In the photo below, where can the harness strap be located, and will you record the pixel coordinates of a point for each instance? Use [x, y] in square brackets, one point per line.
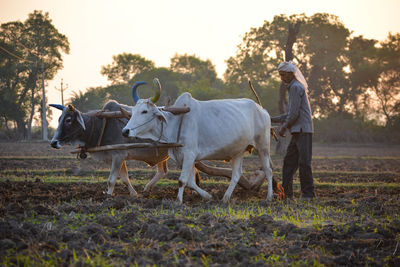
[179, 128]
[102, 132]
[82, 154]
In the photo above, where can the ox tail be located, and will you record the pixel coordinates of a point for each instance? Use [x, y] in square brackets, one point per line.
[198, 177]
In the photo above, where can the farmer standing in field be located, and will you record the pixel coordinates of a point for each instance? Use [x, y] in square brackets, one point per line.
[298, 121]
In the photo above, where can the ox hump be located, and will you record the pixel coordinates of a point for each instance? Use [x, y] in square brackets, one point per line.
[184, 99]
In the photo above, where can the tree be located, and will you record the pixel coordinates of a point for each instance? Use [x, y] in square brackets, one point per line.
[387, 94]
[363, 71]
[193, 67]
[319, 52]
[26, 46]
[197, 76]
[325, 41]
[95, 98]
[386, 89]
[125, 66]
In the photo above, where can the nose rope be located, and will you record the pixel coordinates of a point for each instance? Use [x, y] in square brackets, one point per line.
[162, 128]
[143, 124]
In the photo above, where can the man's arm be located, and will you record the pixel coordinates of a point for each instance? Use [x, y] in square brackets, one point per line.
[278, 119]
[295, 94]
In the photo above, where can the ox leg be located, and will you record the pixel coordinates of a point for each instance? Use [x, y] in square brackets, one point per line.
[192, 183]
[265, 159]
[123, 173]
[187, 177]
[236, 173]
[162, 170]
[115, 169]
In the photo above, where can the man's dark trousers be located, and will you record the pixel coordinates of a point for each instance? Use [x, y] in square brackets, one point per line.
[298, 156]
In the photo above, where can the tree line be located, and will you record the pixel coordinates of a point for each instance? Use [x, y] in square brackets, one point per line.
[353, 81]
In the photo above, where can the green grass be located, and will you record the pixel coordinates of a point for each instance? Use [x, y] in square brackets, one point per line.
[51, 177]
[249, 157]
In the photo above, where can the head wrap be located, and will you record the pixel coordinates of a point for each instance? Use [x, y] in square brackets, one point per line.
[290, 67]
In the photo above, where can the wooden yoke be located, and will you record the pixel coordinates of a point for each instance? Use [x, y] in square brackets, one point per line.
[108, 114]
[177, 110]
[123, 113]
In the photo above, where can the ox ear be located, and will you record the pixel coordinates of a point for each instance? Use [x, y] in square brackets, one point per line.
[80, 120]
[161, 116]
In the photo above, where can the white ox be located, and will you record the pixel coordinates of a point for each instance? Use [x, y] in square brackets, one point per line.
[212, 130]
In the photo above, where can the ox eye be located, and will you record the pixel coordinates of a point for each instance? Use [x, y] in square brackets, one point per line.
[144, 111]
[68, 120]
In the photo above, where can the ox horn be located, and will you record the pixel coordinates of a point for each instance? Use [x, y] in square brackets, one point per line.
[134, 93]
[157, 90]
[57, 106]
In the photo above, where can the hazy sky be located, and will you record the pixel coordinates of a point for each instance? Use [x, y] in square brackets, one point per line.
[157, 29]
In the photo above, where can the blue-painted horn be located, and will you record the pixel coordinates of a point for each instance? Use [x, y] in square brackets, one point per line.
[134, 93]
[57, 106]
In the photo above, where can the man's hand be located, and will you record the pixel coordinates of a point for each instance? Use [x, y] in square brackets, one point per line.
[282, 131]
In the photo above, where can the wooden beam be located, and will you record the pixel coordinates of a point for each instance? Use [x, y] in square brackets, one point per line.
[225, 172]
[107, 114]
[128, 146]
[127, 114]
[177, 110]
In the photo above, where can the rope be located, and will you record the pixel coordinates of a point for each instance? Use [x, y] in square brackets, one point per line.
[255, 93]
[143, 123]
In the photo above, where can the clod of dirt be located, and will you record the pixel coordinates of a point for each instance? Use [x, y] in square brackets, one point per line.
[96, 233]
[106, 220]
[15, 208]
[152, 203]
[65, 254]
[6, 244]
[67, 235]
[154, 255]
[130, 217]
[43, 210]
[126, 232]
[286, 229]
[115, 202]
[207, 219]
[158, 232]
[188, 233]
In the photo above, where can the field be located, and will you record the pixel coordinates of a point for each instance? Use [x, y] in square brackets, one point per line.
[53, 212]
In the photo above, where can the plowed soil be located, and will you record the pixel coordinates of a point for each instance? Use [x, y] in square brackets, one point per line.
[53, 212]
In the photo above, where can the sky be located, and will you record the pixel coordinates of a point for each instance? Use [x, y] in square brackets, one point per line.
[159, 29]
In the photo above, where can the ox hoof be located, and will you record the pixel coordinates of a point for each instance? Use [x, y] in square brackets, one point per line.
[226, 199]
[208, 196]
[107, 194]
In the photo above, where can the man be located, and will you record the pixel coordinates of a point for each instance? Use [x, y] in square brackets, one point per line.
[299, 122]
